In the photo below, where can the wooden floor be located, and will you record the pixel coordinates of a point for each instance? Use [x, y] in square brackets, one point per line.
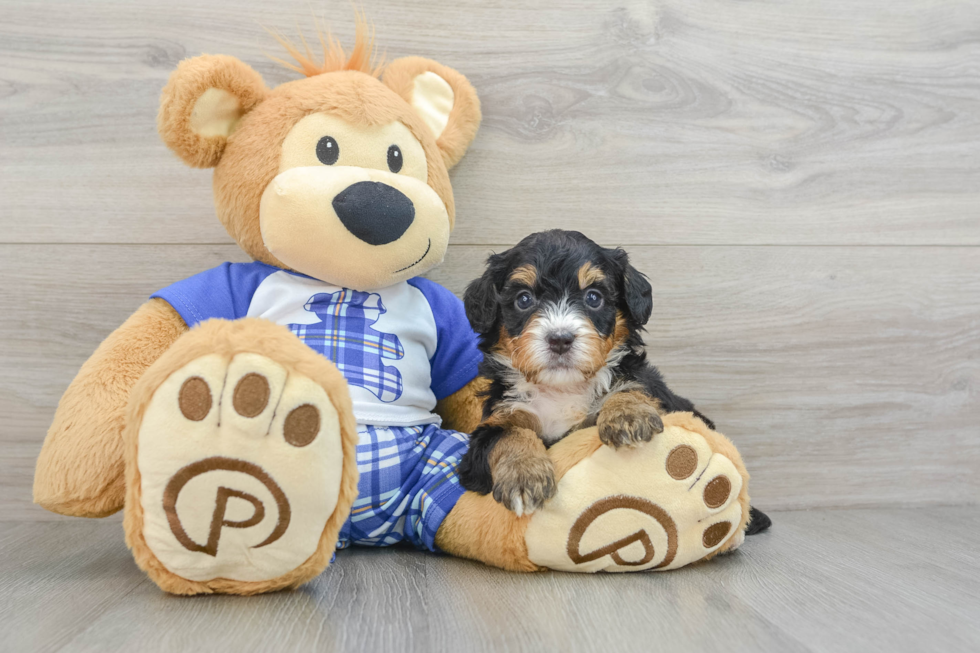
[824, 580]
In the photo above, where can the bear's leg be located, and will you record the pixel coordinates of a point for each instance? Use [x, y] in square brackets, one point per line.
[240, 465]
[481, 529]
[678, 499]
[80, 470]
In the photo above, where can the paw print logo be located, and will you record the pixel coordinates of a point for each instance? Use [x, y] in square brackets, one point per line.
[346, 335]
[710, 493]
[219, 517]
[622, 502]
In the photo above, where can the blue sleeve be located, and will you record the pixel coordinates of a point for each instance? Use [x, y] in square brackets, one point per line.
[222, 292]
[457, 358]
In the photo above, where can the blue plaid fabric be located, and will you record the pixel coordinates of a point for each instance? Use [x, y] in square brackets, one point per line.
[346, 336]
[407, 487]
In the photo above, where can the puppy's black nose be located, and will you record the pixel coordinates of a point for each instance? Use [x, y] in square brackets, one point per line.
[560, 343]
[376, 213]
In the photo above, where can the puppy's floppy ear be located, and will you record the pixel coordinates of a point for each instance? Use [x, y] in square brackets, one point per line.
[445, 100]
[636, 292]
[482, 299]
[202, 103]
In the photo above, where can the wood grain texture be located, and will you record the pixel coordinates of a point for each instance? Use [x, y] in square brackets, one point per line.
[58, 578]
[887, 580]
[801, 181]
[369, 600]
[846, 376]
[667, 122]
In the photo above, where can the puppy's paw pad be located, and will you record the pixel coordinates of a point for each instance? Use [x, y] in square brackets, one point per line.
[239, 464]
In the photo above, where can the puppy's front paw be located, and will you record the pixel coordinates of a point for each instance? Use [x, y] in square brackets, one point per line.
[522, 485]
[628, 424]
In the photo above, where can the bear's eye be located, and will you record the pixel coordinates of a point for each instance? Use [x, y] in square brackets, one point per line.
[395, 158]
[328, 151]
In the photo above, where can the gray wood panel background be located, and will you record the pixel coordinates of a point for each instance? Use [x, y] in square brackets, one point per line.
[800, 180]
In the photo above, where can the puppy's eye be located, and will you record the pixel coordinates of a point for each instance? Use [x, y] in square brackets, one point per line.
[327, 150]
[524, 301]
[593, 299]
[395, 158]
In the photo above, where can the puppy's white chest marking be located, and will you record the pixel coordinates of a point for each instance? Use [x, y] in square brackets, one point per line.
[561, 408]
[558, 411]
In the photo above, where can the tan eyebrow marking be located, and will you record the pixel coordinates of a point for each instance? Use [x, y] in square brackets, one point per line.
[588, 274]
[527, 274]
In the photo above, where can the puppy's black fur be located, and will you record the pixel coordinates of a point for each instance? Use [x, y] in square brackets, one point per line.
[489, 303]
[544, 271]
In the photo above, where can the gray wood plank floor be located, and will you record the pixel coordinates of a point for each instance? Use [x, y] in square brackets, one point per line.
[822, 580]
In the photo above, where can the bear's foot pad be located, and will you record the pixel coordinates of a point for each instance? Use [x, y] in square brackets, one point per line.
[239, 468]
[662, 505]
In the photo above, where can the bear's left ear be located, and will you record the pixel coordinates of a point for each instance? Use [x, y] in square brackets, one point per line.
[444, 99]
[202, 103]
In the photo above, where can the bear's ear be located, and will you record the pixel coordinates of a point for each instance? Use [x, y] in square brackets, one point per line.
[202, 104]
[445, 100]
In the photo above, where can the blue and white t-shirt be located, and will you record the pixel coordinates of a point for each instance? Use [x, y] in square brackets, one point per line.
[400, 348]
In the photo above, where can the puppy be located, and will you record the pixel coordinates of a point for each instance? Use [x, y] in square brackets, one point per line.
[559, 320]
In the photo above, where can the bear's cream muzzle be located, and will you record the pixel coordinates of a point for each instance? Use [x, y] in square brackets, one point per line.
[355, 227]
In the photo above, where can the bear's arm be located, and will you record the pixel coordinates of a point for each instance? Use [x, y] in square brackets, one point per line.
[463, 410]
[80, 470]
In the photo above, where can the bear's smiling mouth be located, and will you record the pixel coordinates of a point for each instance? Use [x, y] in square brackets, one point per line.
[427, 248]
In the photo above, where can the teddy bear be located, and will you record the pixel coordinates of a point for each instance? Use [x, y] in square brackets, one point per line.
[256, 417]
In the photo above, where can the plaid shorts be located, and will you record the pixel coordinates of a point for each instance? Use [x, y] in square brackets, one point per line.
[408, 485]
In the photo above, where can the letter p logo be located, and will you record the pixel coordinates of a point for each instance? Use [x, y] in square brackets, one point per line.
[219, 519]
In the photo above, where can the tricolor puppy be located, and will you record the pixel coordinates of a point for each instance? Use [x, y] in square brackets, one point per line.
[559, 319]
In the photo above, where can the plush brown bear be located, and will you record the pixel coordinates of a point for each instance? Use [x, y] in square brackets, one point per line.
[231, 414]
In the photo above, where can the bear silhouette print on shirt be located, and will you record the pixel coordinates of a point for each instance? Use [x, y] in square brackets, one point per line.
[346, 335]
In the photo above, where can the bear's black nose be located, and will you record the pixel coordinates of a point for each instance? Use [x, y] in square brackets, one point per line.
[374, 212]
